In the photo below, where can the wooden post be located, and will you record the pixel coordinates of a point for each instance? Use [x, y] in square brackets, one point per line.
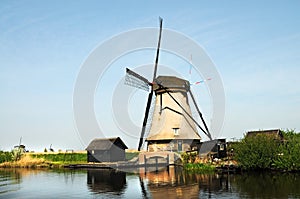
[168, 159]
[168, 162]
[145, 163]
[156, 164]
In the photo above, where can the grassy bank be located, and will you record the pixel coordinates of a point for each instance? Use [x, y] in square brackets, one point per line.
[44, 160]
[199, 168]
[131, 155]
[26, 162]
[192, 163]
[61, 158]
[48, 160]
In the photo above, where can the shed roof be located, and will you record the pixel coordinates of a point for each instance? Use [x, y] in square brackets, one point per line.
[274, 132]
[105, 143]
[207, 146]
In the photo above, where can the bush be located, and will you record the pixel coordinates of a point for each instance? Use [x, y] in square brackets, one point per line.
[189, 157]
[288, 157]
[265, 152]
[5, 156]
[257, 152]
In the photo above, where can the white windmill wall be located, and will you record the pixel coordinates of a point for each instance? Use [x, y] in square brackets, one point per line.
[162, 135]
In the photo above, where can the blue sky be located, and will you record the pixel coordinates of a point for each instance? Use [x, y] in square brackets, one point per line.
[255, 46]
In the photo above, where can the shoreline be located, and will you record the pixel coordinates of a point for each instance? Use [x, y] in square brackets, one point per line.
[193, 167]
[78, 160]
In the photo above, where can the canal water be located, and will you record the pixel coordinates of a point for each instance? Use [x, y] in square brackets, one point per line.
[172, 183]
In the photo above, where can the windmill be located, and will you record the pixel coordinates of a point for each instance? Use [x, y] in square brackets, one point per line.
[173, 126]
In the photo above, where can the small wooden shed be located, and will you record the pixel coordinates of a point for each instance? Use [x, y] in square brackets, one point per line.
[106, 150]
[215, 148]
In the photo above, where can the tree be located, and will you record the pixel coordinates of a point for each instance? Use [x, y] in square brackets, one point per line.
[257, 152]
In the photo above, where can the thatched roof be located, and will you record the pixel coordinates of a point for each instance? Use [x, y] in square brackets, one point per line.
[106, 143]
[272, 132]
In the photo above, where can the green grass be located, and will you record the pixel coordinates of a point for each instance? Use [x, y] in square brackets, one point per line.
[51, 160]
[130, 155]
[66, 158]
[63, 157]
[199, 167]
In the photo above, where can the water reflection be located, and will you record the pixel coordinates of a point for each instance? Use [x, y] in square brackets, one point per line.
[9, 180]
[176, 183]
[215, 185]
[268, 185]
[106, 180]
[168, 183]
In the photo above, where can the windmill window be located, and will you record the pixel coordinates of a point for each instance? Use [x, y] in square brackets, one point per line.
[176, 131]
[222, 147]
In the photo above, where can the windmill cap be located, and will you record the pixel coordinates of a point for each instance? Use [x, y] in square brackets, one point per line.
[172, 82]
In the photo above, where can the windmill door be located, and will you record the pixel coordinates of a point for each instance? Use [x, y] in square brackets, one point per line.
[179, 145]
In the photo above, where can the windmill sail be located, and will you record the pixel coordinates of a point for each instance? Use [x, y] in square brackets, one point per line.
[136, 80]
[151, 93]
[172, 124]
[158, 48]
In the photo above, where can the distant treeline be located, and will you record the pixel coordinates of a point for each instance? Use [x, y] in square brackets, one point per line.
[267, 152]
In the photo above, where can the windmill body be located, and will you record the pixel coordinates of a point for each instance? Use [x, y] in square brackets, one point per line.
[171, 128]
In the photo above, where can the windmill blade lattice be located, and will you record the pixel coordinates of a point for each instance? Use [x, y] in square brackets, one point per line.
[136, 80]
[149, 121]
